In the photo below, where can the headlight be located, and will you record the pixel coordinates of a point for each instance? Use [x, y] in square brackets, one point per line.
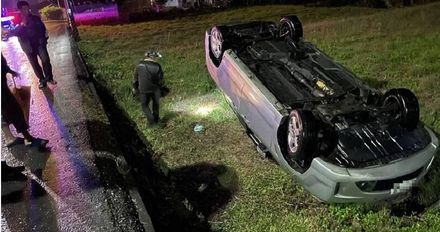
[366, 186]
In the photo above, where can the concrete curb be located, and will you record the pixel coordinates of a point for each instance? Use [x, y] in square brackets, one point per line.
[121, 163]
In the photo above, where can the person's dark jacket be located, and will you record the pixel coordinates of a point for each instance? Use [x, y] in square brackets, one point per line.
[31, 35]
[6, 92]
[148, 77]
[5, 70]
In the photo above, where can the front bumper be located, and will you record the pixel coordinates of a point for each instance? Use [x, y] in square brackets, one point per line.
[332, 183]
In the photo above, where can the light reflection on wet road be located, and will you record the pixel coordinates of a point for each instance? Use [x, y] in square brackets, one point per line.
[65, 194]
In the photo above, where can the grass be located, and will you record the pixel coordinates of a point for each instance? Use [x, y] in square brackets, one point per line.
[386, 48]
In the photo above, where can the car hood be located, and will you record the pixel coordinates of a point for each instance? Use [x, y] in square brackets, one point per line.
[373, 144]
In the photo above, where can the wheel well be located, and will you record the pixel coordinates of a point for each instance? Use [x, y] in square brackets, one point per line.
[281, 134]
[295, 24]
[323, 145]
[211, 56]
[282, 142]
[409, 106]
[226, 44]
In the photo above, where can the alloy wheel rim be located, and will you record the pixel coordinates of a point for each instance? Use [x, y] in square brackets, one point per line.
[216, 42]
[295, 128]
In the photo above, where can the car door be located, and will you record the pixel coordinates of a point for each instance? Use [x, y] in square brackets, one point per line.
[230, 80]
[258, 113]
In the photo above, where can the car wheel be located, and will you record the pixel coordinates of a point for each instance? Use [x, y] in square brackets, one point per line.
[403, 106]
[301, 137]
[290, 27]
[216, 45]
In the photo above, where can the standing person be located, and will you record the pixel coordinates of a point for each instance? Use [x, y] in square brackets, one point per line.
[33, 36]
[147, 82]
[12, 113]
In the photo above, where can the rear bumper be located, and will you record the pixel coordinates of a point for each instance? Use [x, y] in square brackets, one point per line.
[331, 183]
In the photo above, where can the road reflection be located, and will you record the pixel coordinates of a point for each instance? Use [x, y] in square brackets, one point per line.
[62, 182]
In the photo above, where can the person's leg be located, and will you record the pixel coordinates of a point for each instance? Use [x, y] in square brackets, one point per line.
[33, 60]
[9, 137]
[145, 101]
[10, 111]
[28, 137]
[156, 99]
[22, 127]
[17, 119]
[45, 60]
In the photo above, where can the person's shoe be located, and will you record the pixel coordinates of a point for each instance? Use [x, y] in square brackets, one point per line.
[42, 85]
[16, 141]
[27, 142]
[52, 82]
[36, 142]
[40, 143]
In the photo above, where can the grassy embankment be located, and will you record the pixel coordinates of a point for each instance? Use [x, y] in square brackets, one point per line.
[386, 48]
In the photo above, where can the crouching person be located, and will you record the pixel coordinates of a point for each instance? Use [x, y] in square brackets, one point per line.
[148, 82]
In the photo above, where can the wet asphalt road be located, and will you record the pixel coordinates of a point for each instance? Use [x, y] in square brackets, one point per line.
[63, 191]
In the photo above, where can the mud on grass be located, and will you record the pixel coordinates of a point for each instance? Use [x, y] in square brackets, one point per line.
[392, 48]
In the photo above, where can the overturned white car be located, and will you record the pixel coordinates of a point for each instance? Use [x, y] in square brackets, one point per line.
[343, 140]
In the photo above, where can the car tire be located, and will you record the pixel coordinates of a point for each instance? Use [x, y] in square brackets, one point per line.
[290, 27]
[217, 44]
[404, 107]
[301, 137]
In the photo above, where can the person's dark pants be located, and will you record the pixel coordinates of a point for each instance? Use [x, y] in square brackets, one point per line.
[146, 98]
[11, 111]
[44, 74]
